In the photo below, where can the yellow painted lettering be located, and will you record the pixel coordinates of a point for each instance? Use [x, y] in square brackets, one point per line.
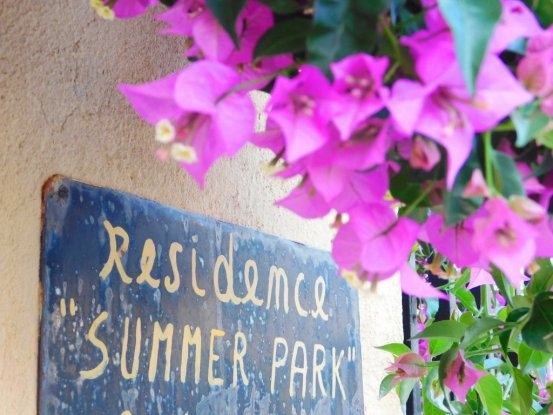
[251, 287]
[295, 369]
[92, 338]
[189, 339]
[336, 373]
[238, 359]
[276, 277]
[278, 361]
[173, 286]
[320, 292]
[147, 262]
[116, 252]
[301, 311]
[318, 366]
[228, 295]
[159, 336]
[211, 379]
[200, 292]
[137, 342]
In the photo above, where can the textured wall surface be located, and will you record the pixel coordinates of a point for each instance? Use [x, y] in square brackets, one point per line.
[60, 113]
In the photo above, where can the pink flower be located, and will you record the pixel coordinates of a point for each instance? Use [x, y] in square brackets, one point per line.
[358, 82]
[192, 19]
[305, 201]
[414, 285]
[302, 108]
[478, 277]
[504, 239]
[182, 16]
[124, 9]
[535, 69]
[461, 376]
[408, 366]
[424, 154]
[517, 21]
[444, 110]
[455, 242]
[476, 187]
[205, 120]
[374, 240]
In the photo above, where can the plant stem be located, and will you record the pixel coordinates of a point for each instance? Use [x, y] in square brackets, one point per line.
[485, 300]
[488, 149]
[419, 199]
[391, 37]
[505, 127]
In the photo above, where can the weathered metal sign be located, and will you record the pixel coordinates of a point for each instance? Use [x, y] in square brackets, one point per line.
[152, 310]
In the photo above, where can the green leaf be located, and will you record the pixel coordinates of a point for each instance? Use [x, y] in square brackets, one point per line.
[446, 329]
[544, 12]
[342, 28]
[404, 389]
[288, 36]
[542, 280]
[491, 394]
[538, 331]
[530, 359]
[283, 6]
[507, 179]
[472, 23]
[467, 299]
[168, 3]
[386, 385]
[445, 362]
[504, 286]
[521, 396]
[397, 349]
[226, 12]
[428, 408]
[529, 121]
[515, 316]
[479, 328]
[438, 346]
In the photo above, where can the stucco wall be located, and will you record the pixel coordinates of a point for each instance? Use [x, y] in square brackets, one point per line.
[60, 113]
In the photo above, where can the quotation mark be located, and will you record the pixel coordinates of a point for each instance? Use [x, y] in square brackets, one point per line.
[72, 308]
[351, 354]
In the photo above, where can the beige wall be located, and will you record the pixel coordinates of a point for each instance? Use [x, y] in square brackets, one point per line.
[60, 113]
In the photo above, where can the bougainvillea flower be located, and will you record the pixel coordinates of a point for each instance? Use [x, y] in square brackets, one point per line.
[408, 365]
[192, 19]
[181, 17]
[448, 114]
[455, 242]
[433, 16]
[517, 21]
[302, 108]
[305, 201]
[534, 70]
[476, 187]
[413, 284]
[424, 154]
[331, 167]
[478, 277]
[155, 100]
[207, 119]
[125, 9]
[374, 240]
[358, 82]
[504, 239]
[544, 238]
[461, 376]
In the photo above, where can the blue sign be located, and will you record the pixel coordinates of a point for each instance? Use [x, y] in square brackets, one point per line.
[151, 310]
